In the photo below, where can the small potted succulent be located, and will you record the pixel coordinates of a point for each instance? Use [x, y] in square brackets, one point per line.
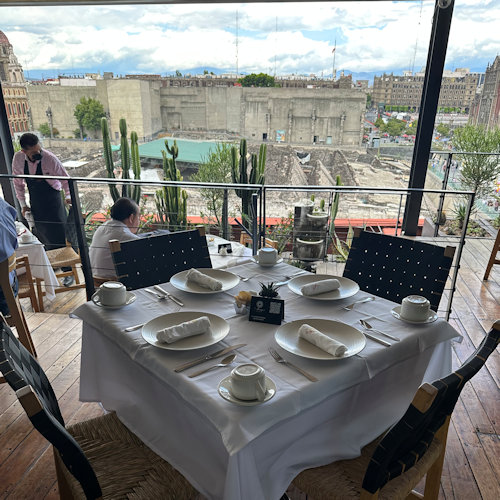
[270, 290]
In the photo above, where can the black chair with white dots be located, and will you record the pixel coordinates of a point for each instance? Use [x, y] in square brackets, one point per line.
[154, 260]
[393, 268]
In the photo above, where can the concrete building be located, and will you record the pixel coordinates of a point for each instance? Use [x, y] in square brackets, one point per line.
[486, 109]
[301, 116]
[458, 89]
[13, 88]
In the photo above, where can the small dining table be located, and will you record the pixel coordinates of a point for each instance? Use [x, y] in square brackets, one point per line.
[39, 262]
[230, 451]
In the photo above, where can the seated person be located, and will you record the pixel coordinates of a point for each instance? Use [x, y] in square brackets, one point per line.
[122, 226]
[8, 244]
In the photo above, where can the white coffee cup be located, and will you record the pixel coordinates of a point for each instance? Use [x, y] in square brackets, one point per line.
[248, 382]
[415, 308]
[268, 255]
[26, 237]
[111, 293]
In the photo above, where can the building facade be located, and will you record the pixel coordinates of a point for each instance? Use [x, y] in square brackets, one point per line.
[486, 109]
[13, 89]
[458, 89]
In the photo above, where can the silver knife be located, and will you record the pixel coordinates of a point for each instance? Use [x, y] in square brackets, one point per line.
[202, 359]
[168, 295]
[376, 339]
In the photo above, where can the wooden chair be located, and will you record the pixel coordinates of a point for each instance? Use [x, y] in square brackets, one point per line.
[29, 287]
[246, 240]
[98, 458]
[393, 268]
[392, 465]
[493, 256]
[155, 259]
[15, 310]
[65, 257]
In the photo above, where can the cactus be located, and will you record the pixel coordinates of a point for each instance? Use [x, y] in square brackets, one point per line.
[239, 174]
[133, 192]
[108, 158]
[335, 207]
[171, 201]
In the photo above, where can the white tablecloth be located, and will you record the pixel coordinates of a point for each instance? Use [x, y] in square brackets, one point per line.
[240, 254]
[39, 264]
[235, 452]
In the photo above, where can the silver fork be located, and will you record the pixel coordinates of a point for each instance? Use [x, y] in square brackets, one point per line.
[244, 278]
[350, 306]
[279, 359]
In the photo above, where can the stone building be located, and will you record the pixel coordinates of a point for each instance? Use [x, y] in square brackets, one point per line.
[13, 88]
[486, 109]
[458, 89]
[301, 116]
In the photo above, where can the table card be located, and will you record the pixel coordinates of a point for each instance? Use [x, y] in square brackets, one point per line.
[267, 310]
[225, 248]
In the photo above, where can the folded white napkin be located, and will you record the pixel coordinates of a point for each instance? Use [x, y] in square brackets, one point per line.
[324, 342]
[317, 287]
[187, 329]
[203, 280]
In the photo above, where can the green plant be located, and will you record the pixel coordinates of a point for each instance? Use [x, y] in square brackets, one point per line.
[270, 290]
[282, 232]
[129, 158]
[343, 247]
[335, 207]
[171, 201]
[439, 219]
[239, 175]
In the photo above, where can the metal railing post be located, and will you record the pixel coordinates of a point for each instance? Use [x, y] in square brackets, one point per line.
[441, 196]
[82, 241]
[255, 231]
[225, 215]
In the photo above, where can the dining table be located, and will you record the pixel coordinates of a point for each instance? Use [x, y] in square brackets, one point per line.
[39, 262]
[230, 449]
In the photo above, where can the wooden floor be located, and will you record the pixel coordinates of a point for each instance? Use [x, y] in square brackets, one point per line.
[472, 465]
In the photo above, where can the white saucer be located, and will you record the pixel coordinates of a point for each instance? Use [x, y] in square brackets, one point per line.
[396, 312]
[224, 391]
[256, 260]
[128, 301]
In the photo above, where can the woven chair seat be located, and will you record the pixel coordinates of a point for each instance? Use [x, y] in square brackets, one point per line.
[343, 479]
[63, 257]
[124, 465]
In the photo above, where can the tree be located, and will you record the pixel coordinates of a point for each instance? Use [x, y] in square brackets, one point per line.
[443, 129]
[178, 73]
[379, 123]
[478, 172]
[368, 101]
[260, 80]
[44, 129]
[215, 168]
[395, 127]
[88, 114]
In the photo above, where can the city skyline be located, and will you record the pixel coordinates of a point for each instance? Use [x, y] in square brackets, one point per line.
[369, 38]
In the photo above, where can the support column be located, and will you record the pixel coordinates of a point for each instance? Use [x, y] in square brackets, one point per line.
[443, 12]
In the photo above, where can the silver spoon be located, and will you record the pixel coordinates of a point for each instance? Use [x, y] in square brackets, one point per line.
[370, 328]
[226, 361]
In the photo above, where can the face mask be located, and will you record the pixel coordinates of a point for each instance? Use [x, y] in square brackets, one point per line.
[36, 156]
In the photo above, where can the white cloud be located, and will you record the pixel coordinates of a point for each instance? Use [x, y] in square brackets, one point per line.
[371, 36]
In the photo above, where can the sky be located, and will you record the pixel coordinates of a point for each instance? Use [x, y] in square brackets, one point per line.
[275, 38]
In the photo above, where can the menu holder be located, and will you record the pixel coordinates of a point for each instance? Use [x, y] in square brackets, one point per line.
[267, 310]
[225, 248]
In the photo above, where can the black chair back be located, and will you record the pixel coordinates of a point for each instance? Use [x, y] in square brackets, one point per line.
[24, 374]
[410, 438]
[393, 268]
[155, 259]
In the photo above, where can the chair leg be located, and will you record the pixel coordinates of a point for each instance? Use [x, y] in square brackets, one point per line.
[65, 492]
[20, 322]
[493, 259]
[75, 274]
[433, 478]
[39, 293]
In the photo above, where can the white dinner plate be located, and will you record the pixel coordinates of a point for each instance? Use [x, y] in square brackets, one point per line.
[347, 286]
[219, 328]
[225, 391]
[256, 260]
[130, 297]
[396, 312]
[229, 280]
[287, 336]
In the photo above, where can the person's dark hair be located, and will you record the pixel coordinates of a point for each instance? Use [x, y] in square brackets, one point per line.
[28, 140]
[124, 208]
